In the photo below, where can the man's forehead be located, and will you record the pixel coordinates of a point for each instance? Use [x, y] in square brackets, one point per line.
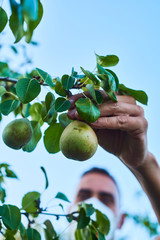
[98, 182]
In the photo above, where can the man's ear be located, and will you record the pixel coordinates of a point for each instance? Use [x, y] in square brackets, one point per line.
[121, 221]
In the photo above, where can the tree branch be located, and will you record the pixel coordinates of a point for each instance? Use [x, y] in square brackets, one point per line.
[7, 79]
[53, 214]
[13, 80]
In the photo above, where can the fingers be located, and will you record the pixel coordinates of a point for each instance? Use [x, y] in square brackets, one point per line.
[72, 114]
[111, 108]
[126, 123]
[120, 98]
[120, 108]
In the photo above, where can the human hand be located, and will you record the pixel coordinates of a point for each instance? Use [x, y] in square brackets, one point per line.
[121, 128]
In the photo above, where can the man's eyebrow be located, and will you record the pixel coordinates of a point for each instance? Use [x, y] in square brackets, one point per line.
[81, 190]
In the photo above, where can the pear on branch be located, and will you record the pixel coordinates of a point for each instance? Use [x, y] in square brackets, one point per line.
[17, 133]
[78, 141]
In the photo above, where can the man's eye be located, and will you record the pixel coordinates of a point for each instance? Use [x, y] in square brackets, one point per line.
[107, 200]
[83, 196]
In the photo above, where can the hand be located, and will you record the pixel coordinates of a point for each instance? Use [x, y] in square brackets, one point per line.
[121, 128]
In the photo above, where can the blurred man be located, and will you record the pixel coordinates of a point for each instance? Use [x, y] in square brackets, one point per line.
[99, 188]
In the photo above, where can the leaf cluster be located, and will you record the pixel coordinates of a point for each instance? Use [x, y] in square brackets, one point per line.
[27, 12]
[5, 172]
[91, 223]
[20, 96]
[11, 224]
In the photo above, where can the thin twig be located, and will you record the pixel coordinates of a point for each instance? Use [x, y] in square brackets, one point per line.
[13, 80]
[53, 214]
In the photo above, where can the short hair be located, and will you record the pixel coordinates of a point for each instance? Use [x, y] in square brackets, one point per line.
[103, 172]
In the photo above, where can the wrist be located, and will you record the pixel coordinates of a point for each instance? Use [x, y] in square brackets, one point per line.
[148, 175]
[148, 165]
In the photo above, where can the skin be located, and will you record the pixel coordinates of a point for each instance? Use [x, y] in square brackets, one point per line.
[122, 131]
[101, 187]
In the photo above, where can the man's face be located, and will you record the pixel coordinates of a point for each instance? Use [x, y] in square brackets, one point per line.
[101, 187]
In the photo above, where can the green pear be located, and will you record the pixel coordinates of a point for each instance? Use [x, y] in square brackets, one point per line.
[17, 133]
[78, 141]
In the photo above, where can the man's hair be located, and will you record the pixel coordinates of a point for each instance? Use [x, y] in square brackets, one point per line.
[103, 172]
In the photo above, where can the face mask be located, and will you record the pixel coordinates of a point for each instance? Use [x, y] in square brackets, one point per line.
[97, 204]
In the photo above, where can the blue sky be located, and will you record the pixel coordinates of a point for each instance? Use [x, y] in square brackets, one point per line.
[69, 35]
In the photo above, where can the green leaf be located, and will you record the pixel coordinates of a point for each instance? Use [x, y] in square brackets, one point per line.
[49, 100]
[45, 77]
[78, 235]
[49, 116]
[103, 222]
[99, 96]
[30, 9]
[109, 92]
[64, 120]
[16, 22]
[30, 201]
[46, 178]
[1, 210]
[10, 173]
[3, 19]
[14, 49]
[48, 113]
[108, 82]
[2, 91]
[2, 195]
[35, 112]
[67, 82]
[59, 89]
[25, 109]
[36, 136]
[8, 106]
[9, 234]
[107, 61]
[11, 216]
[61, 104]
[49, 230]
[62, 196]
[69, 218]
[3, 66]
[89, 209]
[76, 75]
[83, 220]
[101, 236]
[139, 95]
[33, 234]
[27, 89]
[115, 78]
[108, 77]
[51, 138]
[87, 110]
[91, 91]
[31, 25]
[22, 229]
[91, 76]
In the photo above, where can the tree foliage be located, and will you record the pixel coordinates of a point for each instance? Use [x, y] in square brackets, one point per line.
[20, 95]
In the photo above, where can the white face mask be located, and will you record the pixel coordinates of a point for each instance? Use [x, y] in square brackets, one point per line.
[97, 204]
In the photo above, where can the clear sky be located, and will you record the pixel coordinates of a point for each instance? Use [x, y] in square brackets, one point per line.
[69, 35]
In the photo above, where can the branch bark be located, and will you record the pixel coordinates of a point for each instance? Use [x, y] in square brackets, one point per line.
[13, 80]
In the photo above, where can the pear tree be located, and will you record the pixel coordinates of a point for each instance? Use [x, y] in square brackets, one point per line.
[19, 96]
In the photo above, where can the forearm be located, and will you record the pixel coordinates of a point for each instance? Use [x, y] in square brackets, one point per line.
[149, 177]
